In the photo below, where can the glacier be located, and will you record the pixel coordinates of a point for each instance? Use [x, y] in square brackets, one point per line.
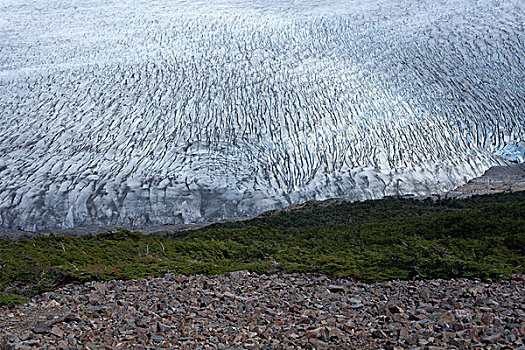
[514, 153]
[165, 112]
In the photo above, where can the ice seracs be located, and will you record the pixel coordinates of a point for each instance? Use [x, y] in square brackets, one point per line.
[141, 112]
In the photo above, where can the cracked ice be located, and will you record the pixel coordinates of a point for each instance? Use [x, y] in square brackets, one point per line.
[158, 112]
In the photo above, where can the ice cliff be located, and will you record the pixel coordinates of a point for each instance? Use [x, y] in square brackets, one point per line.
[155, 112]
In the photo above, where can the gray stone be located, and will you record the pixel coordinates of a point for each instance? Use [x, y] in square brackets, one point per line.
[334, 288]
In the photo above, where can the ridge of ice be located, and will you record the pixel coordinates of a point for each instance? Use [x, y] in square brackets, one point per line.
[149, 112]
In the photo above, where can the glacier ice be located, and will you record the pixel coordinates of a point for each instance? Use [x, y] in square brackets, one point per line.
[158, 112]
[514, 152]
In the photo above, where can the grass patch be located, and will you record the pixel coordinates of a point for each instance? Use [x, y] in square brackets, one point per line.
[377, 240]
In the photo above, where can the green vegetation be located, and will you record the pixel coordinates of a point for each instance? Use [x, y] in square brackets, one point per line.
[374, 240]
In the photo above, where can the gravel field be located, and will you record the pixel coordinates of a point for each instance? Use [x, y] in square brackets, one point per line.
[243, 310]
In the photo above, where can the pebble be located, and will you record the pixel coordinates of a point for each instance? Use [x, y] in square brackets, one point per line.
[290, 311]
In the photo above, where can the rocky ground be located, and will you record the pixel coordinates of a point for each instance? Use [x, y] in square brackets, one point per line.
[245, 311]
[497, 179]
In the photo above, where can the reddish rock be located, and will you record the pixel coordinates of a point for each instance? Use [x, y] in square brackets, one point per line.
[57, 331]
[348, 328]
[262, 311]
[319, 333]
[403, 332]
[447, 317]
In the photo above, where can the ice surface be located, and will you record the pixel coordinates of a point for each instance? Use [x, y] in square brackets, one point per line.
[153, 112]
[514, 153]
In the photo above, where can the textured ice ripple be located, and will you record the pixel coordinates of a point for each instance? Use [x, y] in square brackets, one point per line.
[142, 112]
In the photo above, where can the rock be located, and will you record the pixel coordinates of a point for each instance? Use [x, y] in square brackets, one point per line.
[488, 318]
[156, 338]
[42, 328]
[492, 339]
[91, 346]
[334, 333]
[57, 331]
[30, 342]
[411, 340]
[162, 327]
[95, 300]
[228, 295]
[26, 335]
[349, 328]
[403, 332]
[70, 318]
[447, 317]
[52, 304]
[319, 333]
[396, 309]
[26, 345]
[269, 310]
[318, 344]
[101, 288]
[334, 288]
[355, 300]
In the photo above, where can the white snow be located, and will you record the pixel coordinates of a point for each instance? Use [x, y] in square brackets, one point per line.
[154, 112]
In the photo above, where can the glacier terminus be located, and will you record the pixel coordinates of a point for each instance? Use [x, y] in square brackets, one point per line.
[152, 112]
